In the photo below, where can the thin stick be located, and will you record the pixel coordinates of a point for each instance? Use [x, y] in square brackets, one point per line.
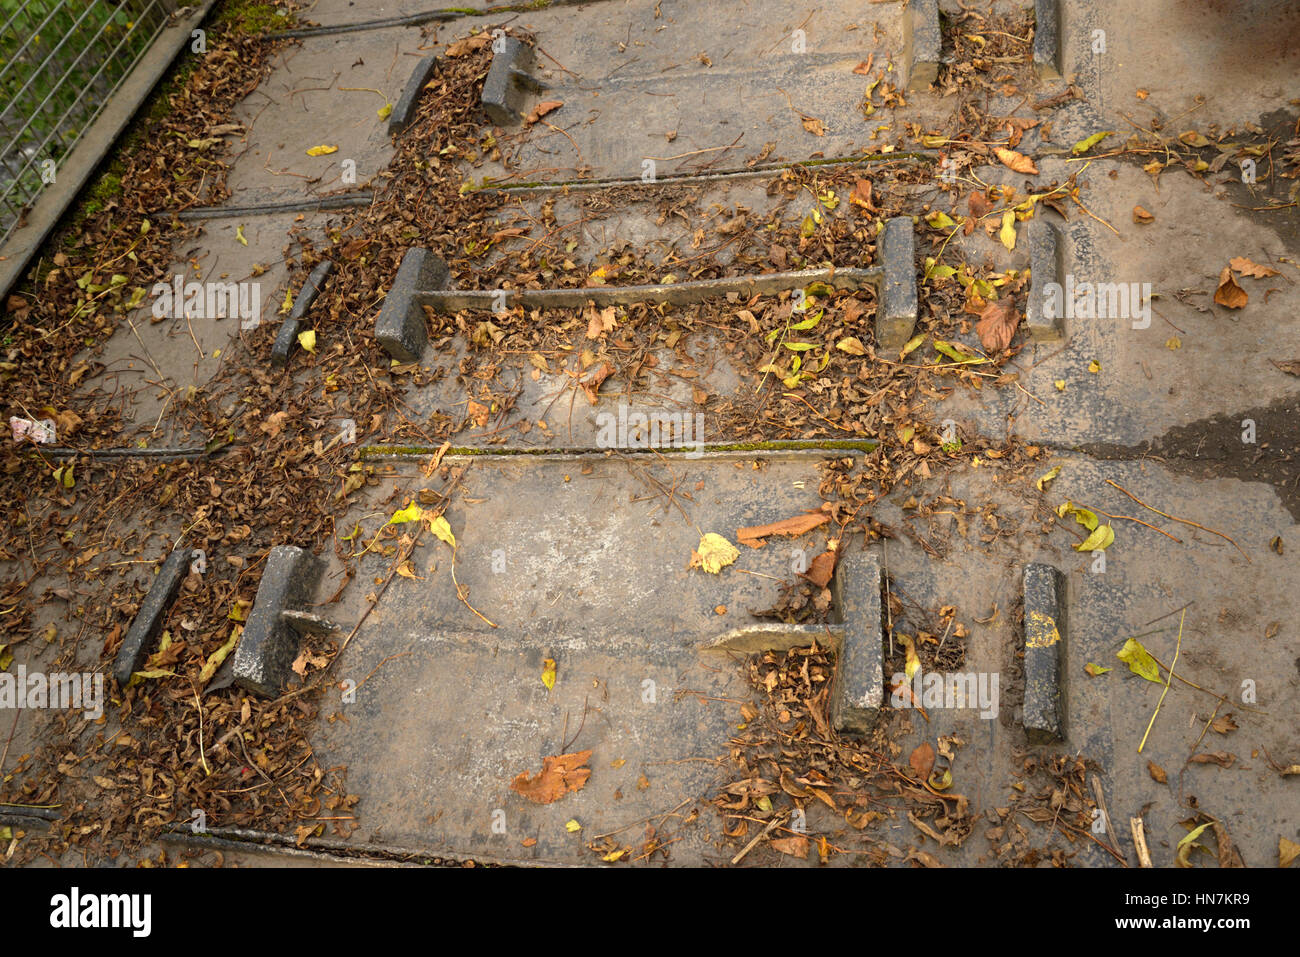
[1174, 518]
[761, 834]
[1168, 680]
[1140, 842]
[1105, 813]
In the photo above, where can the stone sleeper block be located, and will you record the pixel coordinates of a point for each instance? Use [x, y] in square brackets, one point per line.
[1047, 39]
[140, 637]
[402, 113]
[503, 88]
[289, 329]
[897, 308]
[859, 674]
[922, 41]
[1045, 634]
[269, 644]
[400, 327]
[1045, 267]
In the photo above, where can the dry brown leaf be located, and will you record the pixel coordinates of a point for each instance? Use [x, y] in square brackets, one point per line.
[861, 195]
[592, 385]
[822, 567]
[599, 321]
[813, 126]
[1287, 851]
[753, 535]
[1229, 294]
[467, 45]
[796, 846]
[1157, 773]
[997, 325]
[1222, 758]
[543, 108]
[1016, 161]
[922, 760]
[560, 774]
[1251, 269]
[1291, 367]
[1141, 216]
[1224, 723]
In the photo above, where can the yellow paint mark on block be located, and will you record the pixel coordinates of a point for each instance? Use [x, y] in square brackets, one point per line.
[1040, 631]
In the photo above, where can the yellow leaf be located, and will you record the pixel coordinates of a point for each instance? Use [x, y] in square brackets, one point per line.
[1186, 844]
[1060, 385]
[572, 826]
[1139, 661]
[386, 111]
[288, 301]
[214, 662]
[442, 528]
[913, 664]
[1086, 144]
[1008, 231]
[1095, 670]
[1045, 480]
[714, 553]
[239, 234]
[307, 339]
[1094, 366]
[1287, 851]
[548, 679]
[1101, 539]
[912, 345]
[852, 345]
[322, 150]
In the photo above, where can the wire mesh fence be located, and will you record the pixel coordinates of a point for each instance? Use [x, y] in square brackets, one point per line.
[61, 61]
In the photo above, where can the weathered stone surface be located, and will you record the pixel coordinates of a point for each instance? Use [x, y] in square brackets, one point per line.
[400, 326]
[1045, 631]
[140, 637]
[922, 42]
[1047, 39]
[269, 643]
[506, 81]
[289, 329]
[896, 312]
[859, 672]
[674, 293]
[404, 109]
[1044, 311]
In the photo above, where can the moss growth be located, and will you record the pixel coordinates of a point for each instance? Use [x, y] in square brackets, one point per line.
[250, 17]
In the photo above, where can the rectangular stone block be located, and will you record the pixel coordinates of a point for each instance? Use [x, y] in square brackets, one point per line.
[502, 91]
[289, 329]
[400, 326]
[1047, 39]
[1045, 631]
[142, 636]
[922, 42]
[897, 306]
[404, 109]
[269, 643]
[1045, 309]
[859, 671]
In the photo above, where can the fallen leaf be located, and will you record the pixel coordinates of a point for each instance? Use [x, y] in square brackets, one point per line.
[1139, 661]
[1186, 844]
[922, 760]
[714, 553]
[322, 150]
[1224, 724]
[1095, 670]
[1287, 851]
[822, 568]
[1254, 270]
[1016, 161]
[997, 326]
[548, 673]
[560, 774]
[1222, 758]
[467, 45]
[239, 235]
[307, 339]
[1141, 216]
[1157, 773]
[813, 126]
[796, 846]
[753, 535]
[1086, 144]
[1229, 294]
[542, 109]
[1047, 478]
